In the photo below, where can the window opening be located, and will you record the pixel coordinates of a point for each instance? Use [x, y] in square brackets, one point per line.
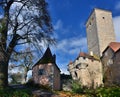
[41, 72]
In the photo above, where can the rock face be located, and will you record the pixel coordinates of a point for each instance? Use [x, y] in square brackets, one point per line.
[87, 70]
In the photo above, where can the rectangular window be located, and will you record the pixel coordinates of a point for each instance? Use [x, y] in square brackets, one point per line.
[41, 72]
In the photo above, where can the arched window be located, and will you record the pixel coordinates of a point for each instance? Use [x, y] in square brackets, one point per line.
[76, 74]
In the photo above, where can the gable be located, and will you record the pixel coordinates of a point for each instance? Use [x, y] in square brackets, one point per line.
[47, 58]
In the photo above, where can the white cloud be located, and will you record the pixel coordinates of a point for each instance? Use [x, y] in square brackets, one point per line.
[64, 70]
[1, 16]
[68, 49]
[58, 25]
[60, 28]
[117, 6]
[116, 22]
[63, 67]
[72, 45]
[29, 74]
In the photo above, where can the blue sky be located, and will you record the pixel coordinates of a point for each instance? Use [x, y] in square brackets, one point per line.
[68, 18]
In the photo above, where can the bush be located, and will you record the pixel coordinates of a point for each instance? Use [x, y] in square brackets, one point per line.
[76, 87]
[108, 92]
[105, 92]
[10, 92]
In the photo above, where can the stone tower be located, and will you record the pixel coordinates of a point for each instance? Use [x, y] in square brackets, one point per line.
[100, 31]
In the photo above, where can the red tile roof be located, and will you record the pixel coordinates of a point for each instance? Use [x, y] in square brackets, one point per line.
[82, 54]
[85, 55]
[70, 62]
[114, 46]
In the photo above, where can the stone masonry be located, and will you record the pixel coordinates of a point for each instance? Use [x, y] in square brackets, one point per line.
[100, 31]
[87, 70]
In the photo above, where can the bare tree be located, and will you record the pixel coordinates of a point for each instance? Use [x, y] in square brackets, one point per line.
[15, 78]
[26, 62]
[23, 22]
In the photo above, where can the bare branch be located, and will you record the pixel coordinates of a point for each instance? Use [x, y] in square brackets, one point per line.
[21, 43]
[21, 8]
[12, 44]
[9, 5]
[24, 24]
[25, 52]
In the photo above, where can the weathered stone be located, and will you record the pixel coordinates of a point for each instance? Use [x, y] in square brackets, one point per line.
[87, 71]
[46, 72]
[100, 31]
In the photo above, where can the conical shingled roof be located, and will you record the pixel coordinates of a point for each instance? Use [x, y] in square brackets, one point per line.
[47, 57]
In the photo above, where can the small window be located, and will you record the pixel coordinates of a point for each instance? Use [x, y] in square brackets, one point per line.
[76, 74]
[90, 23]
[84, 58]
[78, 65]
[41, 72]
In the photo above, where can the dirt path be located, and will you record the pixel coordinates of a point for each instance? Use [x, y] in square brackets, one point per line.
[40, 93]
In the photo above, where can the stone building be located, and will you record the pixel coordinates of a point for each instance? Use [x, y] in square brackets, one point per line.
[46, 71]
[111, 64]
[104, 64]
[100, 31]
[87, 70]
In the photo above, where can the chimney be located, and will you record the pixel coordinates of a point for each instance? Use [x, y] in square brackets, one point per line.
[54, 58]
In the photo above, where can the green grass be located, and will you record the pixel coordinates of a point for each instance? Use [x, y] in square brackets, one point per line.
[76, 88]
[10, 92]
[104, 92]
[99, 92]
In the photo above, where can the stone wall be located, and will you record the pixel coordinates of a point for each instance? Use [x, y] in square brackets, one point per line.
[111, 72]
[87, 72]
[107, 55]
[92, 37]
[100, 31]
[49, 75]
[57, 79]
[116, 68]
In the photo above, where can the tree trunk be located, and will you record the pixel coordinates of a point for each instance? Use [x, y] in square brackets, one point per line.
[25, 74]
[25, 77]
[3, 70]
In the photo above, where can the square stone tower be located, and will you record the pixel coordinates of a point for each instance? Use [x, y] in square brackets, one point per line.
[100, 31]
